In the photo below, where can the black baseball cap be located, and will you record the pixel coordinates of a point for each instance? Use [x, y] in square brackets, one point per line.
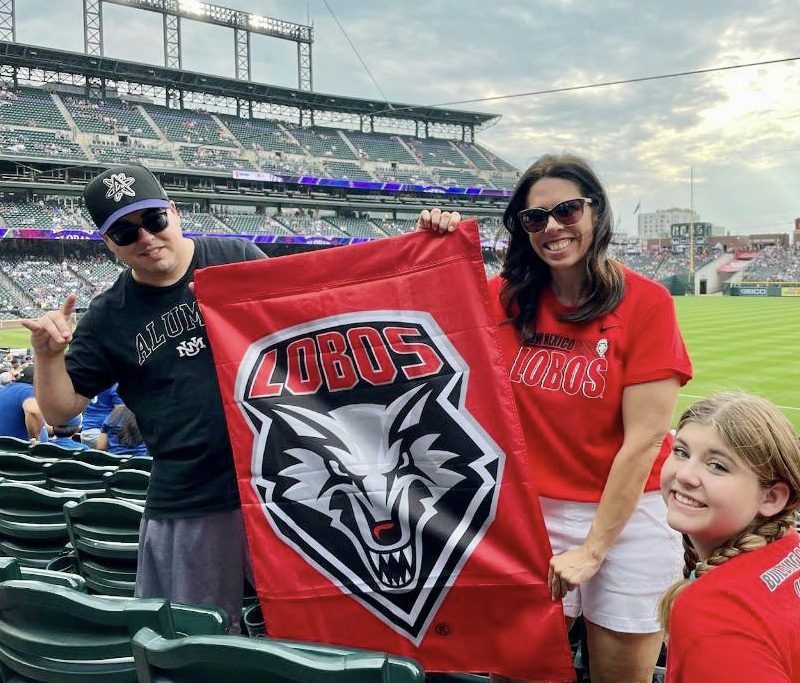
[121, 190]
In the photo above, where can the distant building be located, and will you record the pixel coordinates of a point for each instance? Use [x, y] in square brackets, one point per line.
[657, 223]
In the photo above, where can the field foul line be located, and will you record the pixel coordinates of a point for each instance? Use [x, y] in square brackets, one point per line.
[781, 407]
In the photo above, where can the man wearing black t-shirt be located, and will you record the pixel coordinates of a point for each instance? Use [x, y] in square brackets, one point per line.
[146, 333]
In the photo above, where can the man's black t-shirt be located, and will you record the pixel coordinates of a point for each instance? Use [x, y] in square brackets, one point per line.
[152, 340]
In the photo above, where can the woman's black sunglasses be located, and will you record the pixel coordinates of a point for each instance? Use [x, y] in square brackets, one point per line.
[566, 213]
[123, 233]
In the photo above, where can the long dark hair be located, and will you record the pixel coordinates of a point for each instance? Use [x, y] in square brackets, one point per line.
[527, 276]
[129, 434]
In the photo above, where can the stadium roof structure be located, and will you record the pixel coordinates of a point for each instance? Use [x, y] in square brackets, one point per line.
[98, 74]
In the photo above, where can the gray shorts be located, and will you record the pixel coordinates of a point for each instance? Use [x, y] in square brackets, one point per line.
[90, 436]
[195, 561]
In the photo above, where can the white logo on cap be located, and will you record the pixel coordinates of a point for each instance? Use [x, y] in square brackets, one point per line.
[118, 185]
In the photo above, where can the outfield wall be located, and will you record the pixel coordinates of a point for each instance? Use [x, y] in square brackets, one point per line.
[791, 289]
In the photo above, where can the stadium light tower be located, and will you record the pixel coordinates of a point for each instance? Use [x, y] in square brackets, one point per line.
[7, 30]
[242, 23]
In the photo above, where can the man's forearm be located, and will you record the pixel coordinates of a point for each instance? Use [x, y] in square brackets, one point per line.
[54, 390]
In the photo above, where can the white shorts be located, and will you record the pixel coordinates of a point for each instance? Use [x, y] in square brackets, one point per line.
[645, 560]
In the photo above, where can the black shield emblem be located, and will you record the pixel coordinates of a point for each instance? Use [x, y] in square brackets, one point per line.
[366, 459]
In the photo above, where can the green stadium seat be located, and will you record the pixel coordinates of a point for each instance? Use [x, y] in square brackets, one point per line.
[102, 458]
[32, 524]
[207, 659]
[140, 462]
[104, 534]
[11, 569]
[52, 451]
[22, 467]
[128, 484]
[73, 475]
[52, 633]
[12, 444]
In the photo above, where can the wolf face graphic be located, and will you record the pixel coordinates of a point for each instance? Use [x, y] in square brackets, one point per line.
[366, 459]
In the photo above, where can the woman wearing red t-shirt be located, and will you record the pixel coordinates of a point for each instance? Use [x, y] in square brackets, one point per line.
[596, 361]
[732, 486]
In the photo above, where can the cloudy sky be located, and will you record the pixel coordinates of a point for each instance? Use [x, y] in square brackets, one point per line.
[738, 129]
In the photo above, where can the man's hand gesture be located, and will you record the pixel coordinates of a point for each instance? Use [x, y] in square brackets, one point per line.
[51, 333]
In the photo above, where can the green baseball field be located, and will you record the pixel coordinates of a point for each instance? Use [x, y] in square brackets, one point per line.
[744, 343]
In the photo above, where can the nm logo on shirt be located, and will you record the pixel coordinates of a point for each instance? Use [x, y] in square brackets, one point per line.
[190, 347]
[377, 474]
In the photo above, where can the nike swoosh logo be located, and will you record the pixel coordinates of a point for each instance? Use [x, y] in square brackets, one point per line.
[603, 328]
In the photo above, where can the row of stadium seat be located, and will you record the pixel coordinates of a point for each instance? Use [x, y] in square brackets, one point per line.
[33, 125]
[51, 632]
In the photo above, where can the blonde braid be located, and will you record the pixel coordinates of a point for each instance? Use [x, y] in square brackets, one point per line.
[759, 533]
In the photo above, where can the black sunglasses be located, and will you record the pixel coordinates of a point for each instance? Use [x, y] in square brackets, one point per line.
[566, 213]
[123, 233]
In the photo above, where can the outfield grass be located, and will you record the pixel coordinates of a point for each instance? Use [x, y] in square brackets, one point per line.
[744, 343]
[15, 339]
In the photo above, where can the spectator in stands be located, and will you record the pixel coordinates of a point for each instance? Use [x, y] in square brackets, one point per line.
[20, 415]
[63, 433]
[596, 361]
[6, 378]
[146, 333]
[732, 487]
[120, 433]
[97, 410]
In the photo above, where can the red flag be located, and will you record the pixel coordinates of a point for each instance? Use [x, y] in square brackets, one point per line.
[379, 457]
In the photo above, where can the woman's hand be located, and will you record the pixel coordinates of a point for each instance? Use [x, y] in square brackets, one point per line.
[570, 569]
[438, 220]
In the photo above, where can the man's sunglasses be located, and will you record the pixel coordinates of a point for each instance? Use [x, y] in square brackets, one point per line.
[123, 233]
[566, 213]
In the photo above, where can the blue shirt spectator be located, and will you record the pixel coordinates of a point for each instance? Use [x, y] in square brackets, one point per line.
[62, 435]
[97, 410]
[19, 412]
[120, 434]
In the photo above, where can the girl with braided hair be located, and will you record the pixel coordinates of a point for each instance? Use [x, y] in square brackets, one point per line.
[732, 487]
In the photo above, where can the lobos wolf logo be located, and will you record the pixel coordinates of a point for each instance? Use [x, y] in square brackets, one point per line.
[366, 459]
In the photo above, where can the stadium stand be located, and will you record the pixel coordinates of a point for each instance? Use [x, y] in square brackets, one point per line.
[381, 148]
[357, 227]
[39, 143]
[193, 221]
[433, 152]
[324, 143]
[30, 108]
[304, 224]
[191, 127]
[345, 170]
[132, 153]
[46, 282]
[209, 159]
[473, 153]
[397, 226]
[454, 178]
[421, 176]
[262, 135]
[774, 264]
[113, 117]
[253, 224]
